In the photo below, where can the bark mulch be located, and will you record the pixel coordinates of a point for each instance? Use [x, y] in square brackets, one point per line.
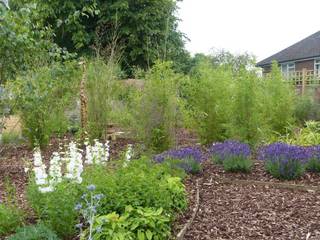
[229, 210]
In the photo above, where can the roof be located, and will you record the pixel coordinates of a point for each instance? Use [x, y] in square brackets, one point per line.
[304, 49]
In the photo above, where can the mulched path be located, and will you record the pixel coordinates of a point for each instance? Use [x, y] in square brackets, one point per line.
[251, 211]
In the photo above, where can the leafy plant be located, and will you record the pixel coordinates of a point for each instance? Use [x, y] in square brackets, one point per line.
[233, 155]
[139, 223]
[41, 96]
[56, 209]
[34, 232]
[307, 136]
[156, 113]
[208, 97]
[285, 161]
[141, 184]
[11, 217]
[102, 90]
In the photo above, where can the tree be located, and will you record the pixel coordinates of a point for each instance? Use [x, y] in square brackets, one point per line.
[144, 30]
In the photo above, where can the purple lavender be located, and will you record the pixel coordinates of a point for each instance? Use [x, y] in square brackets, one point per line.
[187, 158]
[285, 161]
[313, 164]
[228, 149]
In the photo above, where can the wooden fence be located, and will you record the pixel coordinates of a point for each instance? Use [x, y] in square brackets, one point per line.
[303, 78]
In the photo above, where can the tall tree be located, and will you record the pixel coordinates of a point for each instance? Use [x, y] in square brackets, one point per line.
[144, 30]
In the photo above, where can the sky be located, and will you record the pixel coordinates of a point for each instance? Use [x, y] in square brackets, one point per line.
[259, 27]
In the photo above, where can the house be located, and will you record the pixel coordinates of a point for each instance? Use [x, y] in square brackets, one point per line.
[301, 56]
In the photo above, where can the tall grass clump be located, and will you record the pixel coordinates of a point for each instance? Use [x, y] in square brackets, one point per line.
[41, 98]
[278, 101]
[247, 123]
[101, 89]
[209, 101]
[156, 110]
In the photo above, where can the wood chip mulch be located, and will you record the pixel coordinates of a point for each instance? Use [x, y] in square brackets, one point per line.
[229, 210]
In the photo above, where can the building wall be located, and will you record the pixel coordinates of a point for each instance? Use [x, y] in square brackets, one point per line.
[309, 65]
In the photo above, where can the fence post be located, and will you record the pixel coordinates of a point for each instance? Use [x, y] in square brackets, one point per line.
[304, 79]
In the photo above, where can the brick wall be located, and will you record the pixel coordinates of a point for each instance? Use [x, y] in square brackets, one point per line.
[309, 65]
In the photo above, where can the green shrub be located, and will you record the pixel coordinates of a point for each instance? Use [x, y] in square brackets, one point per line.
[56, 209]
[247, 123]
[139, 223]
[307, 136]
[11, 217]
[292, 169]
[278, 101]
[141, 184]
[34, 232]
[102, 90]
[10, 138]
[41, 99]
[237, 164]
[208, 97]
[156, 108]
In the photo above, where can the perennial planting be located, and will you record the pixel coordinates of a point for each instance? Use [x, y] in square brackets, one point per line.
[233, 155]
[285, 161]
[188, 158]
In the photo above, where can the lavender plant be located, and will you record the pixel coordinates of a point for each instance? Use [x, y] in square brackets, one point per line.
[285, 161]
[233, 155]
[188, 158]
[313, 164]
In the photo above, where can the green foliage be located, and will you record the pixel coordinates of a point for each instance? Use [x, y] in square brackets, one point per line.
[144, 31]
[183, 166]
[224, 100]
[247, 122]
[313, 165]
[41, 99]
[102, 90]
[11, 217]
[56, 209]
[307, 136]
[237, 164]
[289, 170]
[24, 43]
[156, 110]
[139, 223]
[278, 101]
[34, 232]
[141, 184]
[302, 109]
[10, 138]
[209, 101]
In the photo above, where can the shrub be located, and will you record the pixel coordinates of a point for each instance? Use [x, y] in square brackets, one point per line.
[156, 110]
[56, 209]
[247, 123]
[102, 89]
[188, 159]
[41, 98]
[233, 155]
[278, 101]
[135, 223]
[285, 161]
[36, 232]
[307, 136]
[10, 218]
[208, 97]
[140, 184]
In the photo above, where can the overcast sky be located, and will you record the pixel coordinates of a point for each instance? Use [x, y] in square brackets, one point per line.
[259, 27]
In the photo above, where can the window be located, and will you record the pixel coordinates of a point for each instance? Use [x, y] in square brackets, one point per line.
[288, 68]
[317, 66]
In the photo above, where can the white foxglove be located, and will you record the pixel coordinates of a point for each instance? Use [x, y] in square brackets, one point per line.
[55, 169]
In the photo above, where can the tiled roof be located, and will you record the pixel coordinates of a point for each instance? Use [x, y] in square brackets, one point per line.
[306, 48]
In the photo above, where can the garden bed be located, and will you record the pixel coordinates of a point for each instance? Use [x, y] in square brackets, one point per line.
[234, 206]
